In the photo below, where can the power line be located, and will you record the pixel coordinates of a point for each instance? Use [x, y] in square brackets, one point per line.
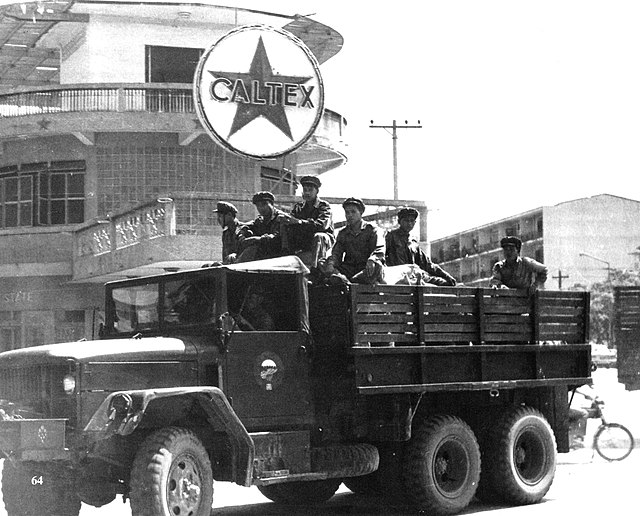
[394, 137]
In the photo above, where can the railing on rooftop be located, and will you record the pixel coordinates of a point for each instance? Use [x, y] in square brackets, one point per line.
[87, 98]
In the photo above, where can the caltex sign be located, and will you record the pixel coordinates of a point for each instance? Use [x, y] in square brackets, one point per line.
[259, 92]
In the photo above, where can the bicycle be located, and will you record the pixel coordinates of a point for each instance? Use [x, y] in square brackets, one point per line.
[612, 441]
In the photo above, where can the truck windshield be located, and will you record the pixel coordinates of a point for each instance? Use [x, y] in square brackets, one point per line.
[135, 308]
[149, 307]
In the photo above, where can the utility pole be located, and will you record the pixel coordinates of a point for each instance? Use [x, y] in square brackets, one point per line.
[394, 137]
[560, 277]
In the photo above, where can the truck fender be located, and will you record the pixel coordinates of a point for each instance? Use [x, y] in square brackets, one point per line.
[122, 412]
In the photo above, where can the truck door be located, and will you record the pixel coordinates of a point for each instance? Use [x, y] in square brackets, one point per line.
[267, 367]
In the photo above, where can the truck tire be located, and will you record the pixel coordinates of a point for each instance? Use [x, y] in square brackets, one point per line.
[442, 465]
[171, 474]
[301, 493]
[38, 488]
[519, 458]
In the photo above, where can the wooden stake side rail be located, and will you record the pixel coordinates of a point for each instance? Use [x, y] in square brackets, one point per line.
[432, 368]
[626, 334]
[393, 315]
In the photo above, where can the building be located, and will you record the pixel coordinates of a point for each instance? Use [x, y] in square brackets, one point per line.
[580, 240]
[105, 169]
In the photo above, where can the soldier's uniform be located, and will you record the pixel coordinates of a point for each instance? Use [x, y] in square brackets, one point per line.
[354, 247]
[314, 230]
[229, 232]
[524, 272]
[269, 244]
[403, 249]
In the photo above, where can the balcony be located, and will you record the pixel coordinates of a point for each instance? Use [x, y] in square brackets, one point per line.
[84, 109]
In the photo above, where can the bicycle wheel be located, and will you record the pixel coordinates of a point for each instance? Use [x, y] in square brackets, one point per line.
[613, 441]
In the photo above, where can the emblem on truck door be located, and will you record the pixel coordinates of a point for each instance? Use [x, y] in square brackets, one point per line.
[269, 370]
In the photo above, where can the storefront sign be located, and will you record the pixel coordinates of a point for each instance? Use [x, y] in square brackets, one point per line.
[259, 92]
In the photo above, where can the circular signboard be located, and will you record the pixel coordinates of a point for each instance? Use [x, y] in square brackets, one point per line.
[259, 92]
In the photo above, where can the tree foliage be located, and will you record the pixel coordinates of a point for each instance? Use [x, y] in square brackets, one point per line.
[601, 317]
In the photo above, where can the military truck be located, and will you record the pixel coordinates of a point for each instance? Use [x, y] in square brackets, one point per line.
[427, 395]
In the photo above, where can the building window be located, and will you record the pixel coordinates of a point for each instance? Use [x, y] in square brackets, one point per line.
[539, 227]
[277, 181]
[42, 194]
[171, 64]
[513, 230]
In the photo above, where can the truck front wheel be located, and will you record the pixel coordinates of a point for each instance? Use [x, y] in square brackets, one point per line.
[171, 474]
[37, 488]
[519, 458]
[442, 465]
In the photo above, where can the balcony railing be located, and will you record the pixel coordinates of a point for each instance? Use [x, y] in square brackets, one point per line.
[116, 98]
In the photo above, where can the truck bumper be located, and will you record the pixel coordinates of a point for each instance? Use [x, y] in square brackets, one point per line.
[34, 439]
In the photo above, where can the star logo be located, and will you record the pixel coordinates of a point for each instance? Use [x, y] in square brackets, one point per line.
[264, 97]
[258, 92]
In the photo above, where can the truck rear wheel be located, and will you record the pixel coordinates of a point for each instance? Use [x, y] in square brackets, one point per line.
[301, 493]
[171, 475]
[442, 465]
[519, 458]
[37, 488]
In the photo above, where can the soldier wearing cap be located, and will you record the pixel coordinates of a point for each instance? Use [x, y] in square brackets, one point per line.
[359, 249]
[228, 221]
[260, 238]
[516, 271]
[309, 228]
[403, 249]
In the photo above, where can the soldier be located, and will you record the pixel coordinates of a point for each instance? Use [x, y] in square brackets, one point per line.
[402, 249]
[309, 228]
[516, 271]
[228, 221]
[359, 249]
[260, 238]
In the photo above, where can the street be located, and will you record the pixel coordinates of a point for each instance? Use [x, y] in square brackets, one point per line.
[582, 486]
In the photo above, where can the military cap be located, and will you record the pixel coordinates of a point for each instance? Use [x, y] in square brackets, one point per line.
[310, 180]
[511, 240]
[355, 201]
[263, 196]
[407, 212]
[225, 207]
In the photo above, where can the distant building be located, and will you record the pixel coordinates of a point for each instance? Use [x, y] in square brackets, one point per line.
[580, 239]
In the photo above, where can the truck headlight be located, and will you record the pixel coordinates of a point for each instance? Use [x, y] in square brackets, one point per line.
[69, 384]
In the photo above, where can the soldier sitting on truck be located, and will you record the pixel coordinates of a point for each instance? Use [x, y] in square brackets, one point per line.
[516, 271]
[260, 238]
[228, 221]
[359, 250]
[309, 228]
[402, 248]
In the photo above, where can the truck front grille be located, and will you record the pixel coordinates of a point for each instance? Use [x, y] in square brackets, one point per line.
[37, 390]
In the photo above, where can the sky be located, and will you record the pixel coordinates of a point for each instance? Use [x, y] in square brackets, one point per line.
[522, 104]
